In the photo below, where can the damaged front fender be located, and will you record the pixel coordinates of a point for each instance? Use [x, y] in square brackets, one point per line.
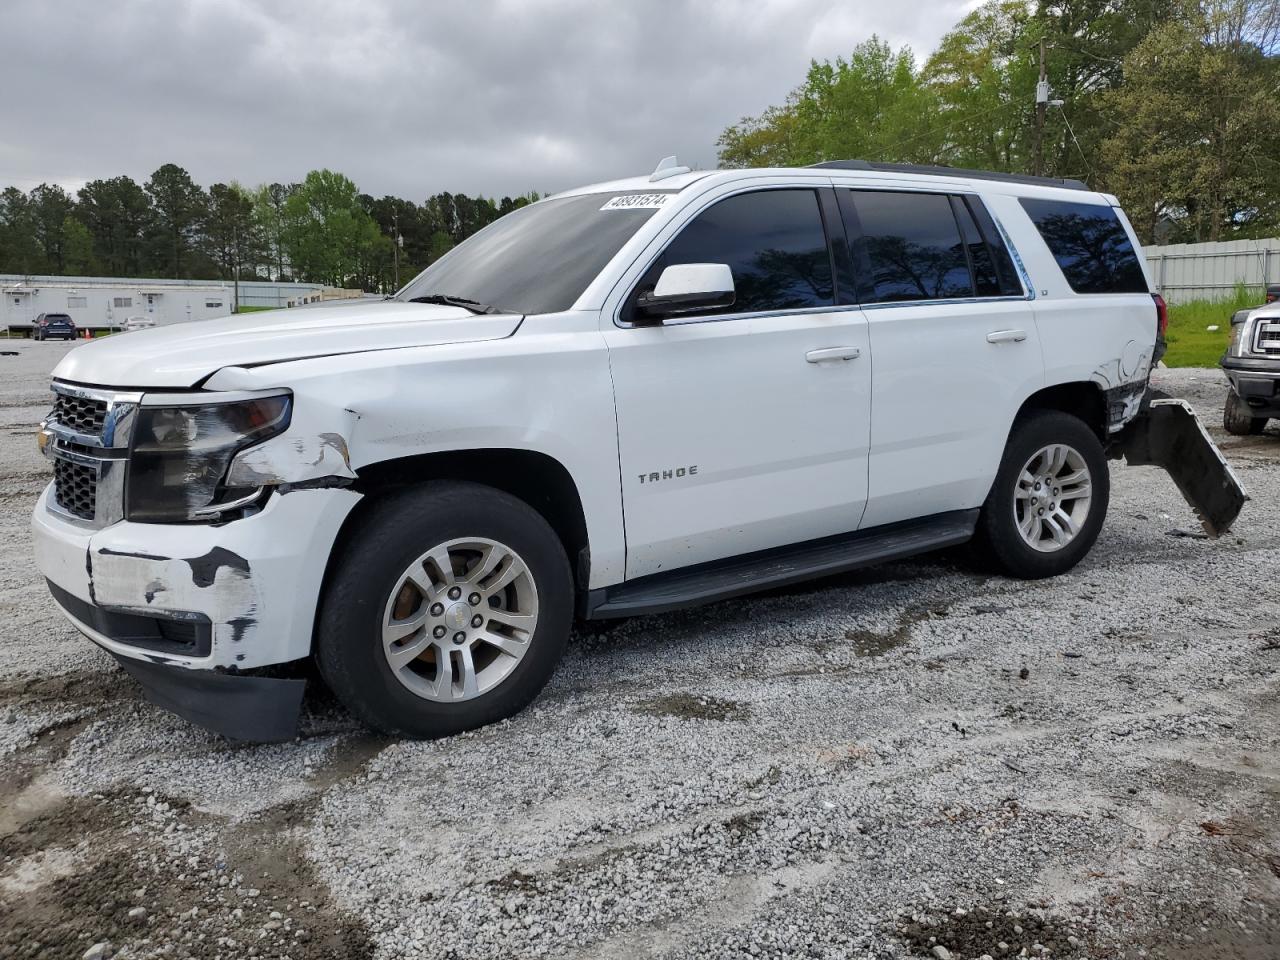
[1168, 434]
[294, 463]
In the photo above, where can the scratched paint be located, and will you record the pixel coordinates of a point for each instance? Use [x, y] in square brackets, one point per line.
[217, 584]
[293, 462]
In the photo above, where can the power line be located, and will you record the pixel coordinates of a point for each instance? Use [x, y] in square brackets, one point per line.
[1074, 139]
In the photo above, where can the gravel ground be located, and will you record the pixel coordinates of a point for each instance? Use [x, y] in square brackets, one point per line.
[911, 761]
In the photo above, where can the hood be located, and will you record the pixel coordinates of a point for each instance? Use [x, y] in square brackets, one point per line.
[183, 354]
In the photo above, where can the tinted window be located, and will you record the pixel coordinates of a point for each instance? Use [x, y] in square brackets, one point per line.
[774, 243]
[913, 246]
[986, 283]
[1010, 282]
[1090, 245]
[539, 258]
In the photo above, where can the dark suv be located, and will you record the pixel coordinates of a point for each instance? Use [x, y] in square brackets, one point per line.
[53, 326]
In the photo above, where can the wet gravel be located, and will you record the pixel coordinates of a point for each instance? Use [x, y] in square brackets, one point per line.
[912, 761]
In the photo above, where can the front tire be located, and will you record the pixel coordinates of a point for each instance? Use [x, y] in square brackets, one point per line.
[448, 611]
[1049, 498]
[1237, 420]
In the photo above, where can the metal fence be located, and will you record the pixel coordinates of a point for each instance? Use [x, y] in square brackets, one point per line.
[1212, 271]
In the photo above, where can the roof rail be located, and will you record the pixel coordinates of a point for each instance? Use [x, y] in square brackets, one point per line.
[934, 171]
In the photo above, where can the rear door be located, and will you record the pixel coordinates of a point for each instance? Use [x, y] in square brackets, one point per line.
[736, 431]
[955, 344]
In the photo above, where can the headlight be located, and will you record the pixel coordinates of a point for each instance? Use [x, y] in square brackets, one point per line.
[1237, 338]
[181, 451]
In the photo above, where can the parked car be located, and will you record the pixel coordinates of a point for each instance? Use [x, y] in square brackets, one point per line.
[53, 326]
[1252, 366]
[138, 323]
[629, 398]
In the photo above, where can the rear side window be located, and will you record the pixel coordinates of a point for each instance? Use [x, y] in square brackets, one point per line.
[1090, 244]
[913, 246]
[772, 240]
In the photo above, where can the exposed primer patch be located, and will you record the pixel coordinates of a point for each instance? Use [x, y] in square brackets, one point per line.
[204, 570]
[135, 582]
[292, 463]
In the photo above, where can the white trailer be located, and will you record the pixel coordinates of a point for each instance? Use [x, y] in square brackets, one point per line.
[104, 304]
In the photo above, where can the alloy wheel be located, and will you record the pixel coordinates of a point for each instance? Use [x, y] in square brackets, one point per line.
[460, 619]
[1052, 497]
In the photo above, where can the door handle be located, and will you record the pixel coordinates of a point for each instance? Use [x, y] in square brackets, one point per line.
[833, 353]
[1006, 336]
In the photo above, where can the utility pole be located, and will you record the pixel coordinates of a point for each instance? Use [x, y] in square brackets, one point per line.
[235, 260]
[1042, 101]
[396, 243]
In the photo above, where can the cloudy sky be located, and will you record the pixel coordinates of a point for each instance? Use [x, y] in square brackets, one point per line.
[404, 96]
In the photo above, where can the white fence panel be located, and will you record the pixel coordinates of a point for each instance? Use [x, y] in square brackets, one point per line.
[1212, 271]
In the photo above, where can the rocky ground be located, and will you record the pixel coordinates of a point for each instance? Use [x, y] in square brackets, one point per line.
[911, 761]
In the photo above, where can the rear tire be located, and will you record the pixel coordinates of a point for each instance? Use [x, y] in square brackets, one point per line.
[1029, 531]
[1237, 420]
[486, 647]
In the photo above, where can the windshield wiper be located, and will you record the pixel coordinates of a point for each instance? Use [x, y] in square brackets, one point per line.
[475, 306]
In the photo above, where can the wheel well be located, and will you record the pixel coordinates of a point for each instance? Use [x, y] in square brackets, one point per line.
[539, 480]
[1080, 399]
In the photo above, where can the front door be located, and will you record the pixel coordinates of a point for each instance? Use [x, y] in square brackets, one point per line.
[748, 428]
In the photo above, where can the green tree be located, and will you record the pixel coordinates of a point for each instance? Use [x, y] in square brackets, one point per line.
[272, 224]
[982, 74]
[19, 252]
[230, 231]
[180, 209]
[50, 206]
[117, 214]
[330, 238]
[1196, 145]
[872, 105]
[78, 258]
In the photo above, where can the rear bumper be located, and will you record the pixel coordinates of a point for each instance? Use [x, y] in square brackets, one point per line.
[1167, 434]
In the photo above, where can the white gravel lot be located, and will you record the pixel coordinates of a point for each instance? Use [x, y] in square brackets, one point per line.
[915, 760]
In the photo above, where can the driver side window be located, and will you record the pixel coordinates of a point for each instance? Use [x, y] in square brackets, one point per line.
[772, 240]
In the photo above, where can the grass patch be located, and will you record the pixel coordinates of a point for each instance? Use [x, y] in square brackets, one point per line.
[1190, 344]
[244, 309]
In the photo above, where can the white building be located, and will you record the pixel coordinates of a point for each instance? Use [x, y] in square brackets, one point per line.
[99, 303]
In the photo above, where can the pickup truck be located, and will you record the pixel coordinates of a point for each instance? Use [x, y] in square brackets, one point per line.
[624, 399]
[1252, 366]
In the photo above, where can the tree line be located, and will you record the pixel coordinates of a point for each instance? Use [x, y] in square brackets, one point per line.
[322, 230]
[1173, 105]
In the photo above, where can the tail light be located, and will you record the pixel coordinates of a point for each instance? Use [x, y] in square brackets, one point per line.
[1162, 315]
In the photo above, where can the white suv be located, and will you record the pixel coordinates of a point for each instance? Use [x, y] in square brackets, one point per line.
[628, 398]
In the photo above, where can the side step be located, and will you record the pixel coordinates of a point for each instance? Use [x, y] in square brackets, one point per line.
[736, 576]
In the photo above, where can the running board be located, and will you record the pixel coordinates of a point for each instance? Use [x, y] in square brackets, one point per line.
[736, 576]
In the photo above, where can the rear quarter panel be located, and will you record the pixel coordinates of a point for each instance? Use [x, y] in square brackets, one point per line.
[1105, 339]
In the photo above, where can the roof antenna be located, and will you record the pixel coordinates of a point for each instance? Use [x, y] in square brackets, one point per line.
[667, 167]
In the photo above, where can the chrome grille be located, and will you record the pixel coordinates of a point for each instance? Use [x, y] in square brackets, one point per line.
[87, 436]
[1267, 337]
[75, 487]
[81, 414]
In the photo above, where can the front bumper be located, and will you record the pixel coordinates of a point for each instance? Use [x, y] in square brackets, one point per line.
[1256, 382]
[196, 597]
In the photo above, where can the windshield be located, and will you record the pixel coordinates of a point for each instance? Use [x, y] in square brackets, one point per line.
[539, 258]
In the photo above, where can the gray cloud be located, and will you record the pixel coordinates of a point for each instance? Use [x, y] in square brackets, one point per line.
[409, 98]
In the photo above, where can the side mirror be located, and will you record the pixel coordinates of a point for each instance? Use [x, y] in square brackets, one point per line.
[687, 288]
